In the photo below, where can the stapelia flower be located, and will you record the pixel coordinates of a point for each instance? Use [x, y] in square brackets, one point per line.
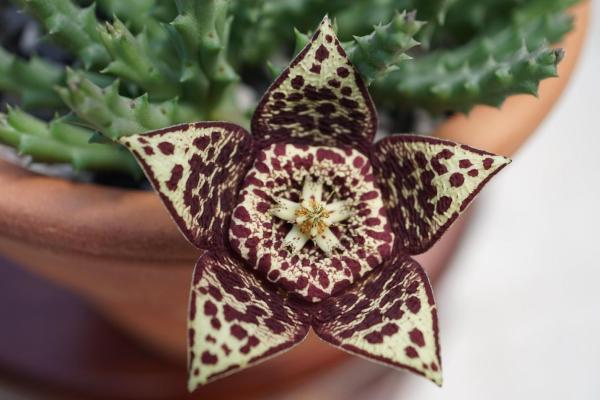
[305, 223]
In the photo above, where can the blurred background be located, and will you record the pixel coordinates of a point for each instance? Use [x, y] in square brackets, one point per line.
[519, 304]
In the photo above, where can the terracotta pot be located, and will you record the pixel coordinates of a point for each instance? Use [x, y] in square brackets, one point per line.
[120, 250]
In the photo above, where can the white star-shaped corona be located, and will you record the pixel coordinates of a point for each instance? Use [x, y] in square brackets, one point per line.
[311, 218]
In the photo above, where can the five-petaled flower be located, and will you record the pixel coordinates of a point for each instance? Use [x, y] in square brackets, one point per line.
[306, 223]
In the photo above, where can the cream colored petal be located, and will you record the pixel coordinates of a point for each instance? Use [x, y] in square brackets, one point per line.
[295, 240]
[285, 209]
[327, 241]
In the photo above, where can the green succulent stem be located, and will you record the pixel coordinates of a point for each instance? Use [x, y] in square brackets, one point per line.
[114, 115]
[71, 26]
[378, 53]
[485, 71]
[32, 80]
[61, 142]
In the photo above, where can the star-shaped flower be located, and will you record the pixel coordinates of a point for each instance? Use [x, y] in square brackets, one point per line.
[305, 223]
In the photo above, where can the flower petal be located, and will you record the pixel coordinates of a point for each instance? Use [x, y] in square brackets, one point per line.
[389, 317]
[319, 99]
[196, 169]
[236, 320]
[426, 183]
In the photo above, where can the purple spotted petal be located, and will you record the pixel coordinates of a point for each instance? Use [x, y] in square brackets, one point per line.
[319, 99]
[427, 183]
[389, 317]
[236, 320]
[196, 169]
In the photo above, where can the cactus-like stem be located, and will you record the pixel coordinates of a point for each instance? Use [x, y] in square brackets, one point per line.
[71, 26]
[485, 71]
[203, 29]
[114, 115]
[379, 53]
[32, 80]
[139, 14]
[468, 18]
[61, 142]
[138, 59]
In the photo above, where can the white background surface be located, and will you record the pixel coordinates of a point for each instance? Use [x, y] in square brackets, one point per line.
[520, 306]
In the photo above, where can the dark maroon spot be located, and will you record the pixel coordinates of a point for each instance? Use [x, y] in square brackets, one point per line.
[240, 231]
[457, 179]
[215, 323]
[329, 38]
[348, 103]
[411, 352]
[323, 279]
[238, 332]
[372, 221]
[389, 329]
[369, 195]
[226, 349]
[473, 173]
[416, 336]
[148, 150]
[210, 339]
[202, 142]
[420, 159]
[264, 264]
[487, 163]
[176, 175]
[374, 337]
[263, 207]
[346, 91]
[343, 72]
[438, 167]
[296, 96]
[334, 83]
[358, 162]
[443, 204]
[279, 95]
[242, 214]
[261, 167]
[142, 140]
[414, 304]
[209, 308]
[324, 154]
[395, 311]
[209, 359]
[316, 69]
[445, 154]
[322, 53]
[325, 108]
[434, 366]
[297, 82]
[166, 148]
[191, 334]
[464, 163]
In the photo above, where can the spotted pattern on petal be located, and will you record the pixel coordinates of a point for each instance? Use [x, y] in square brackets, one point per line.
[389, 317]
[319, 99]
[235, 320]
[278, 172]
[196, 169]
[428, 182]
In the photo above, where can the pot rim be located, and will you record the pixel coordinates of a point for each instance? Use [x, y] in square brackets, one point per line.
[88, 218]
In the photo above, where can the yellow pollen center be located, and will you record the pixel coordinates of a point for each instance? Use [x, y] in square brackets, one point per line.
[312, 218]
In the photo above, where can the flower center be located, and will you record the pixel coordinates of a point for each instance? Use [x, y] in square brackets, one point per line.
[312, 218]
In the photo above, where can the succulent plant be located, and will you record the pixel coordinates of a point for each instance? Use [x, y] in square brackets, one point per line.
[146, 64]
[305, 223]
